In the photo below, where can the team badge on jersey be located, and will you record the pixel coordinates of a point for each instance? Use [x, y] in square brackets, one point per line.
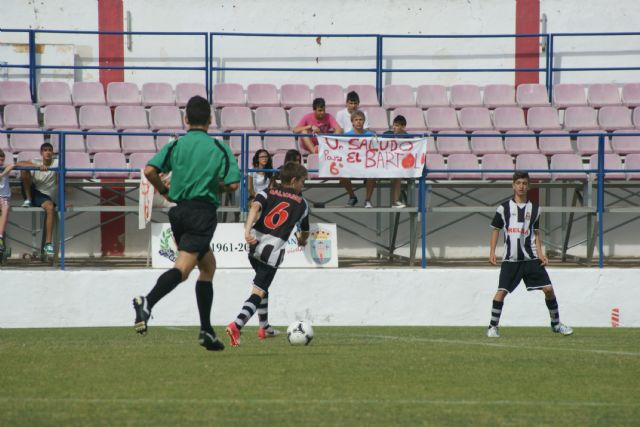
[320, 245]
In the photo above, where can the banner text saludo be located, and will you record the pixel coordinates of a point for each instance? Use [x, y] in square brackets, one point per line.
[371, 157]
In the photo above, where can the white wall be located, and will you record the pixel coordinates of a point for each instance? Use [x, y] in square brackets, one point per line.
[455, 297]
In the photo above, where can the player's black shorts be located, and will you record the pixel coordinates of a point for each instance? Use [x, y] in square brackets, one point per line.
[534, 275]
[264, 274]
[193, 223]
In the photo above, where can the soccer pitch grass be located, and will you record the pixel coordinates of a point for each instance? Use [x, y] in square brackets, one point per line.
[351, 376]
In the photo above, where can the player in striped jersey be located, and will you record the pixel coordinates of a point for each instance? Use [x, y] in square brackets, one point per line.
[272, 217]
[519, 219]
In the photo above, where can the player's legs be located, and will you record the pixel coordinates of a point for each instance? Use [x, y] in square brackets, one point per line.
[510, 276]
[554, 312]
[370, 185]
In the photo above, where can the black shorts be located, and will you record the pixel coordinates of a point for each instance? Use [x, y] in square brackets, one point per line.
[532, 272]
[193, 223]
[264, 274]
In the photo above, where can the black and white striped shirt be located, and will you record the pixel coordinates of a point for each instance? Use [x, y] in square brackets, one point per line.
[518, 223]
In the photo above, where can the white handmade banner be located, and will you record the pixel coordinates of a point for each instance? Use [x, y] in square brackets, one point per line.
[231, 250]
[371, 157]
[145, 201]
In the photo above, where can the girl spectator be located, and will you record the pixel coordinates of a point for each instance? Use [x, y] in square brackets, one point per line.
[260, 180]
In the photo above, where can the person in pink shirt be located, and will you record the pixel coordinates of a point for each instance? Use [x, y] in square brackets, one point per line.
[318, 121]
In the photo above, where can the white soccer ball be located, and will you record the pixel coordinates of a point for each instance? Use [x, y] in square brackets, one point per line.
[299, 333]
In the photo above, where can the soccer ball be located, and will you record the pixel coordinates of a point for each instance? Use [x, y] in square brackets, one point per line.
[299, 333]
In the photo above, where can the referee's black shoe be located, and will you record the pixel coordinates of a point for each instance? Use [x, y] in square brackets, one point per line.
[142, 314]
[210, 341]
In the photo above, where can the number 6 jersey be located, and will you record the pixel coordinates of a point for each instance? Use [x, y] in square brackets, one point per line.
[282, 210]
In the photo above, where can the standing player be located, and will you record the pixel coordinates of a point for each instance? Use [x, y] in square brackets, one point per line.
[523, 258]
[273, 215]
[201, 167]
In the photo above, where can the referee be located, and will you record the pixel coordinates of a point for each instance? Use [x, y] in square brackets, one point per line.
[201, 166]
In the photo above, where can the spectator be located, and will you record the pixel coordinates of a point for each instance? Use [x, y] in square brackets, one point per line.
[343, 117]
[398, 128]
[318, 121]
[39, 189]
[292, 155]
[5, 198]
[357, 122]
[260, 180]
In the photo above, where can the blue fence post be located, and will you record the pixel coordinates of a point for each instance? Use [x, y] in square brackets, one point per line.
[379, 68]
[207, 68]
[600, 175]
[62, 168]
[32, 66]
[550, 77]
[546, 65]
[423, 216]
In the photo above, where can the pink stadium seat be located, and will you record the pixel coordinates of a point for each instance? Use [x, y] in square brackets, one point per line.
[452, 145]
[509, 118]
[529, 162]
[88, 93]
[587, 145]
[635, 118]
[20, 116]
[603, 94]
[278, 159]
[496, 162]
[625, 144]
[271, 118]
[578, 118]
[428, 96]
[228, 95]
[296, 114]
[532, 95]
[331, 110]
[631, 94]
[278, 143]
[465, 96]
[555, 144]
[475, 118]
[499, 95]
[632, 162]
[54, 93]
[137, 143]
[26, 156]
[377, 118]
[463, 161]
[14, 92]
[130, 117]
[262, 95]
[333, 95]
[435, 161]
[395, 96]
[235, 141]
[96, 117]
[414, 116]
[520, 144]
[4, 142]
[236, 118]
[157, 94]
[615, 118]
[185, 91]
[569, 95]
[1, 123]
[567, 162]
[103, 143]
[366, 93]
[165, 117]
[295, 95]
[78, 160]
[313, 164]
[60, 116]
[611, 162]
[162, 140]
[26, 141]
[110, 161]
[441, 119]
[138, 161]
[431, 145]
[543, 118]
[122, 93]
[71, 142]
[486, 144]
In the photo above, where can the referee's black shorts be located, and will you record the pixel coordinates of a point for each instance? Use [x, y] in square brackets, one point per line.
[532, 272]
[193, 223]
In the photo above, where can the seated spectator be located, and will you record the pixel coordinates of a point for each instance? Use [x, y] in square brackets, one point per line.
[40, 188]
[318, 121]
[343, 117]
[398, 128]
[260, 180]
[292, 155]
[357, 123]
[5, 198]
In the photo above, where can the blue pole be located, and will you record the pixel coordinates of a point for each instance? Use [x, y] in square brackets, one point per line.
[207, 68]
[550, 79]
[244, 191]
[600, 198]
[61, 197]
[210, 67]
[32, 65]
[423, 218]
[546, 65]
[379, 60]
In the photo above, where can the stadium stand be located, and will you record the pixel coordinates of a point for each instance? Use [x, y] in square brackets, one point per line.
[54, 93]
[157, 94]
[466, 95]
[332, 94]
[122, 93]
[87, 93]
[428, 96]
[262, 95]
[395, 96]
[14, 92]
[499, 95]
[295, 95]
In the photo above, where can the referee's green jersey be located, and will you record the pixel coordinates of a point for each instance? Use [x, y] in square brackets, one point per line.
[199, 163]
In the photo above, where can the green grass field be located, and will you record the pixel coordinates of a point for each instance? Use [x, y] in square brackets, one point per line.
[349, 376]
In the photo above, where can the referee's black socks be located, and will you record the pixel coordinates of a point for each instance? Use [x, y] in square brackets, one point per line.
[165, 284]
[204, 296]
